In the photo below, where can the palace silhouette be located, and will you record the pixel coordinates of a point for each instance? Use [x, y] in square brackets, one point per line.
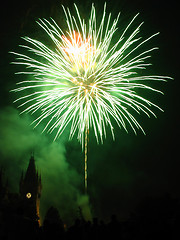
[30, 187]
[154, 218]
[22, 206]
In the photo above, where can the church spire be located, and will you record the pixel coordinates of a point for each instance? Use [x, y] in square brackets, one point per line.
[31, 170]
[30, 190]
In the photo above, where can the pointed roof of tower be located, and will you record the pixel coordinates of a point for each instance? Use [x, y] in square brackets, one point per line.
[31, 170]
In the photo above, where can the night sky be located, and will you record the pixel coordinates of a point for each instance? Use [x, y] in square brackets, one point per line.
[122, 172]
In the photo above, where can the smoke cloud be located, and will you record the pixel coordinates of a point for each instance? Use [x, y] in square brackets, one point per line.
[60, 180]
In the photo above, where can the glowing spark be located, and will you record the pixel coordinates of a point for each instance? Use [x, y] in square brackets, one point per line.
[84, 80]
[80, 52]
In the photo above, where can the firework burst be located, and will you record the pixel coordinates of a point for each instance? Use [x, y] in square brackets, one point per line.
[84, 80]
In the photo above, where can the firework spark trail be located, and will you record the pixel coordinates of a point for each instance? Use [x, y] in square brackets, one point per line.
[85, 159]
[84, 80]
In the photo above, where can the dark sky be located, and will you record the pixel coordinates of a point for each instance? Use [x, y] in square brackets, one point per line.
[121, 172]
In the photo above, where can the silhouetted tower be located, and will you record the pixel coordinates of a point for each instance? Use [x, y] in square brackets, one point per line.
[30, 191]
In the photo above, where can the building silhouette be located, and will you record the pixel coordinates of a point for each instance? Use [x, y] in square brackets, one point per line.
[30, 187]
[22, 206]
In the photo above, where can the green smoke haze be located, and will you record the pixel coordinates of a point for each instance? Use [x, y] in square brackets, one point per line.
[61, 182]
